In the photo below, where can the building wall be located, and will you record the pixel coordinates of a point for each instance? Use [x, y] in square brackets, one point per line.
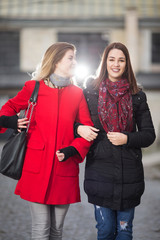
[33, 44]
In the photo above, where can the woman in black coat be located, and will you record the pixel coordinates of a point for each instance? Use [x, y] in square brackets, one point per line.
[114, 178]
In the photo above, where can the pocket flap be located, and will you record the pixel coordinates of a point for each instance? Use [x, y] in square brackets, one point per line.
[35, 144]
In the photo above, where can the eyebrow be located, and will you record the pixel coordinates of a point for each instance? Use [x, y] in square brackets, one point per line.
[119, 58]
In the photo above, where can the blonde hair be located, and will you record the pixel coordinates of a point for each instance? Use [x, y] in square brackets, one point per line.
[51, 57]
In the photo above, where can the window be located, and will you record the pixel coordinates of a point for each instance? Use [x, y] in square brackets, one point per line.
[9, 52]
[155, 48]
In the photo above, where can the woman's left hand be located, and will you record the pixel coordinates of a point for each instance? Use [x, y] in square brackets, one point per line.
[60, 155]
[117, 138]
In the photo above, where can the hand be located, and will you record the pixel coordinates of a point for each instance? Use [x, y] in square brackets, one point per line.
[117, 138]
[87, 132]
[60, 155]
[22, 123]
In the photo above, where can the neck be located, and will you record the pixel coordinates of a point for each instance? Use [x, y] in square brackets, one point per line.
[59, 81]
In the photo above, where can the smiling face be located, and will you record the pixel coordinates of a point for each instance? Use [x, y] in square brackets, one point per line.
[116, 64]
[66, 66]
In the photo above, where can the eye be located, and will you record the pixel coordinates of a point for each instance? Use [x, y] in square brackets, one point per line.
[122, 60]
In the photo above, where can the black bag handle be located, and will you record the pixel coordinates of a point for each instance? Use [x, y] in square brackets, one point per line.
[33, 98]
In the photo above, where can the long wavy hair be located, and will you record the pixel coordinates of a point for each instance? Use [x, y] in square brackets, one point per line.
[51, 57]
[128, 73]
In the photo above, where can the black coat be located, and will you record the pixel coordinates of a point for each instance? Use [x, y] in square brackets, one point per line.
[114, 175]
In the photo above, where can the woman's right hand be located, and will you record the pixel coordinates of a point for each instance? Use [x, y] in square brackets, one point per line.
[87, 132]
[22, 123]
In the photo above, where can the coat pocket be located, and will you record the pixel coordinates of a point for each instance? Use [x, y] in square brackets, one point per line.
[68, 168]
[34, 156]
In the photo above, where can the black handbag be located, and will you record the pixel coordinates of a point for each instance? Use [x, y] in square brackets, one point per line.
[13, 152]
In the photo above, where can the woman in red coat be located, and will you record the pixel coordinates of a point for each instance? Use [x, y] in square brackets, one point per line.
[50, 180]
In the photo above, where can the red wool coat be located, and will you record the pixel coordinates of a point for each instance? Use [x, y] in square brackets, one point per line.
[45, 179]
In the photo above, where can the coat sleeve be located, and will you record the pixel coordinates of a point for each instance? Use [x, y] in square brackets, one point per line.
[18, 103]
[9, 121]
[83, 117]
[145, 135]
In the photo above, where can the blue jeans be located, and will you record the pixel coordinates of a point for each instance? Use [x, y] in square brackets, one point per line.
[114, 225]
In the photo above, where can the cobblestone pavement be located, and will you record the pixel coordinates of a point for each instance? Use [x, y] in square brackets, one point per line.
[15, 221]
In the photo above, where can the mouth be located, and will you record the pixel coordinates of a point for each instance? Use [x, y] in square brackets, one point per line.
[115, 70]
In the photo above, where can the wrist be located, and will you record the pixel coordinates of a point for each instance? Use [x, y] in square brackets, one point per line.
[125, 138]
[78, 129]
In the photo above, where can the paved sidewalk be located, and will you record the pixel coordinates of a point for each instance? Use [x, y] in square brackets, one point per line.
[15, 221]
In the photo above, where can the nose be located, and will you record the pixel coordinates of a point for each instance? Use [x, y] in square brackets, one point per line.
[116, 63]
[74, 61]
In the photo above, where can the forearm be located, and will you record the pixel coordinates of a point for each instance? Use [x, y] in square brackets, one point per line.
[141, 139]
[68, 152]
[9, 121]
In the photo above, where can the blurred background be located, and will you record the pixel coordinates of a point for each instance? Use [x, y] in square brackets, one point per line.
[29, 27]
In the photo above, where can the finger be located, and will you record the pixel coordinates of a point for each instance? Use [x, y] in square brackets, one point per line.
[94, 129]
[22, 124]
[61, 157]
[22, 119]
[93, 137]
[89, 139]
[57, 152]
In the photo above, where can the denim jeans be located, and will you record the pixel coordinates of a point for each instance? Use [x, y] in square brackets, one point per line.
[47, 221]
[114, 225]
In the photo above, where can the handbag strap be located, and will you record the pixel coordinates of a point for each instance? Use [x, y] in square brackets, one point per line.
[32, 103]
[34, 96]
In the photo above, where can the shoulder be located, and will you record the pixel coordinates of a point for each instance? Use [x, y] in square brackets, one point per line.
[139, 97]
[89, 86]
[88, 83]
[76, 89]
[30, 84]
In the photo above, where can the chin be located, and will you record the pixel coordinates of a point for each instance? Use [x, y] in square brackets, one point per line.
[71, 74]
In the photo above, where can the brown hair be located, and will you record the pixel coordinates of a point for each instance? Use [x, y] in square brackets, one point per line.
[51, 57]
[128, 73]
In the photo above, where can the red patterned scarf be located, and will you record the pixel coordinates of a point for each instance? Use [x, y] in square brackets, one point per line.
[115, 106]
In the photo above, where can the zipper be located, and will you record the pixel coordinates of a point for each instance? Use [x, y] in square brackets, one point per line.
[121, 149]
